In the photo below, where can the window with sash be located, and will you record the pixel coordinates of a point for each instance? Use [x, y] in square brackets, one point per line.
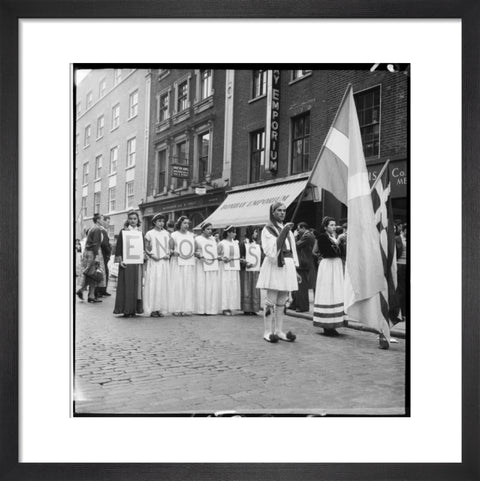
[257, 154]
[259, 83]
[368, 110]
[300, 160]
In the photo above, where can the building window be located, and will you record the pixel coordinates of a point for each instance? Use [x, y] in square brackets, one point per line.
[102, 88]
[259, 84]
[131, 151]
[86, 140]
[113, 160]
[84, 206]
[89, 100]
[203, 151]
[85, 173]
[205, 83]
[77, 143]
[100, 126]
[162, 113]
[257, 154]
[129, 194]
[133, 104]
[98, 166]
[296, 74]
[162, 170]
[115, 116]
[96, 202]
[111, 199]
[301, 143]
[182, 96]
[79, 109]
[117, 76]
[111, 232]
[368, 110]
[180, 158]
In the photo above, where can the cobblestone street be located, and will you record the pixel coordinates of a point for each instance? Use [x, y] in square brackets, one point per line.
[205, 364]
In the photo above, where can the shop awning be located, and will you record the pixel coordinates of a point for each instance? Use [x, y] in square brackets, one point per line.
[251, 207]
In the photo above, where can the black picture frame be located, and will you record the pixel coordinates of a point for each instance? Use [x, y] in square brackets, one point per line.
[13, 10]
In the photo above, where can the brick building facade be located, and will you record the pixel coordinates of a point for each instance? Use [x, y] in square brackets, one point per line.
[190, 134]
[307, 103]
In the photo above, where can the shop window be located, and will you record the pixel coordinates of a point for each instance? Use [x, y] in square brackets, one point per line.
[300, 153]
[368, 110]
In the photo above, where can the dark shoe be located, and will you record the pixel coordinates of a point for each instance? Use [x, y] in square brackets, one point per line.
[383, 343]
[271, 338]
[94, 300]
[154, 314]
[330, 332]
[106, 294]
[290, 337]
[80, 294]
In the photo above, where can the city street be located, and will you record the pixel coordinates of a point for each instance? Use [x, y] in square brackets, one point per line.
[206, 364]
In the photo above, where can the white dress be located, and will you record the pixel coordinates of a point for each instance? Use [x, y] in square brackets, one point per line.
[207, 297]
[156, 290]
[182, 278]
[230, 279]
[274, 277]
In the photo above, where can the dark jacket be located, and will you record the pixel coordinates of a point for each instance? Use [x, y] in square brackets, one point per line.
[305, 245]
[327, 248]
[94, 239]
[105, 245]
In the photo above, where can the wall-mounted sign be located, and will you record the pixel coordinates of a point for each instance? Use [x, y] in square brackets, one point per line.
[180, 171]
[398, 176]
[273, 118]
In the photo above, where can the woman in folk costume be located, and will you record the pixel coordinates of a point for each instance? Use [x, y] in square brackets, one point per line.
[229, 252]
[128, 300]
[250, 250]
[207, 286]
[182, 269]
[328, 307]
[157, 277]
[278, 275]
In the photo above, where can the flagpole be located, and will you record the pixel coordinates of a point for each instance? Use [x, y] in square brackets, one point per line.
[302, 195]
[379, 176]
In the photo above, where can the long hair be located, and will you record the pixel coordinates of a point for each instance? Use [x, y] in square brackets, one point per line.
[249, 234]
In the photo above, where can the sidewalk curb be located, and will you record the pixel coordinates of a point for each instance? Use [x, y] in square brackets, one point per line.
[351, 324]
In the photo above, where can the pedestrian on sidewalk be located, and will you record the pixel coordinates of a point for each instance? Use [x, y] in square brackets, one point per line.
[229, 252]
[156, 290]
[207, 283]
[106, 252]
[250, 262]
[328, 307]
[304, 241]
[277, 275]
[128, 299]
[182, 269]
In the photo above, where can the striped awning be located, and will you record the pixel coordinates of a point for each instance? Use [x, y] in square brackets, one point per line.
[251, 207]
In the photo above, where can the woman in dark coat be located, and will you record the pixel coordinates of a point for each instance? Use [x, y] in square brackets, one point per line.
[250, 295]
[128, 300]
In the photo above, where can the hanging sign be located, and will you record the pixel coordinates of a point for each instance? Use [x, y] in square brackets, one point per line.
[132, 247]
[253, 255]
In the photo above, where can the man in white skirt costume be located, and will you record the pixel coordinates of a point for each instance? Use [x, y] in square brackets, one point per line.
[278, 275]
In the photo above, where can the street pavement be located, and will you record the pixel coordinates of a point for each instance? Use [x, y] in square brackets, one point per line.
[206, 364]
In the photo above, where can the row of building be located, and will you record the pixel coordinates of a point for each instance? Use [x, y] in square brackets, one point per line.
[220, 144]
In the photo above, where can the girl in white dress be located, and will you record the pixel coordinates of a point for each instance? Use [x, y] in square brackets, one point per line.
[182, 269]
[157, 277]
[207, 298]
[278, 275]
[229, 252]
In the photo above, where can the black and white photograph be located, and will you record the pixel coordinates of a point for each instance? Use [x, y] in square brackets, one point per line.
[240, 240]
